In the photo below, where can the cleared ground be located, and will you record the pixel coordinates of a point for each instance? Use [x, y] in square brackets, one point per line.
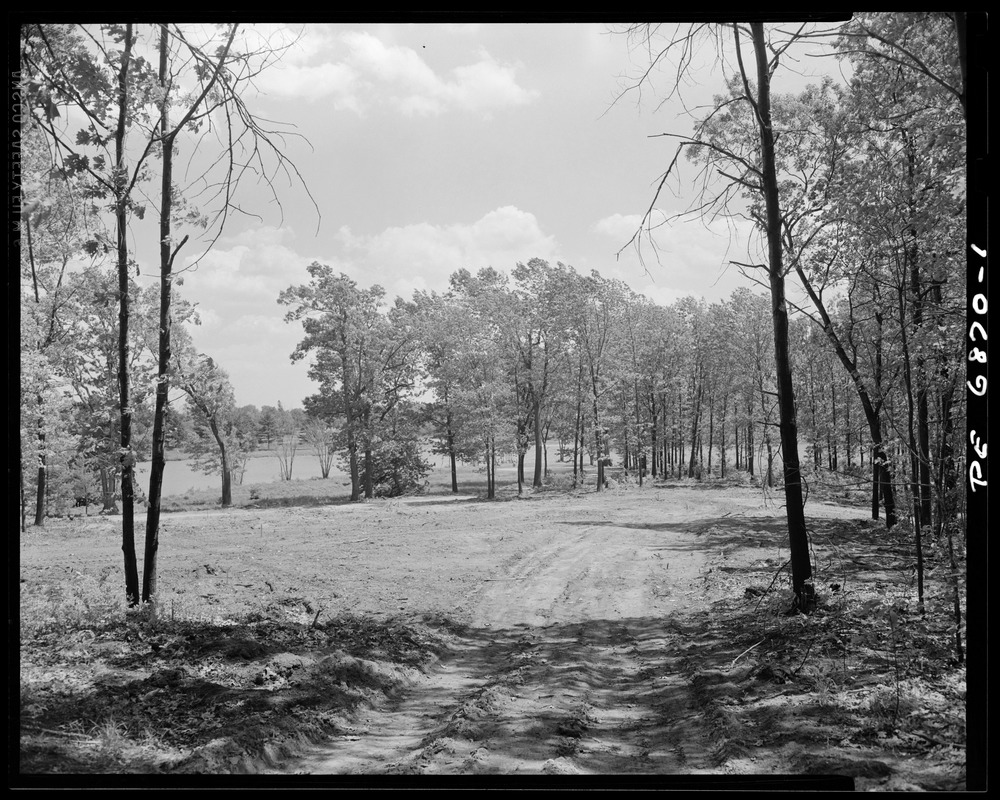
[633, 631]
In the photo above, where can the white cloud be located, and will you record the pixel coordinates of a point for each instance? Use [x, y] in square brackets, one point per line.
[619, 226]
[236, 288]
[423, 256]
[674, 260]
[370, 72]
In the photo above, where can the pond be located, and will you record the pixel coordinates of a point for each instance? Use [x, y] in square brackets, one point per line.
[182, 476]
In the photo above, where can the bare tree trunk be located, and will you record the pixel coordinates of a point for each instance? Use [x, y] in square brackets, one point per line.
[369, 468]
[451, 453]
[158, 460]
[124, 400]
[797, 537]
[694, 428]
[107, 490]
[41, 474]
[654, 421]
[537, 477]
[736, 433]
[722, 442]
[881, 474]
[915, 473]
[848, 443]
[23, 503]
[577, 442]
[711, 432]
[227, 478]
[352, 434]
[491, 468]
[832, 435]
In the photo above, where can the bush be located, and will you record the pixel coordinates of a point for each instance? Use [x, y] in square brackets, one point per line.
[397, 468]
[81, 603]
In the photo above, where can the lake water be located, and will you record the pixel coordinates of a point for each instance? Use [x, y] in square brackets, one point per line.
[181, 476]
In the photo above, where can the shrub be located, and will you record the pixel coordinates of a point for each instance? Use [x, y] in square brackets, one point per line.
[82, 602]
[397, 468]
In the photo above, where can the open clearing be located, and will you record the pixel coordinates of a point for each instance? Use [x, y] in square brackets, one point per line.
[629, 632]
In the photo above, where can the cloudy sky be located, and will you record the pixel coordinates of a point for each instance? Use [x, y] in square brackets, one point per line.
[426, 148]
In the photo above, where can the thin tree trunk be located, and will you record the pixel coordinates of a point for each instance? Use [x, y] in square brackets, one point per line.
[158, 460]
[351, 418]
[914, 454]
[536, 481]
[369, 468]
[848, 444]
[797, 537]
[654, 421]
[736, 434]
[711, 432]
[107, 490]
[40, 488]
[694, 427]
[832, 436]
[491, 468]
[451, 454]
[577, 441]
[722, 443]
[881, 474]
[124, 399]
[24, 510]
[227, 480]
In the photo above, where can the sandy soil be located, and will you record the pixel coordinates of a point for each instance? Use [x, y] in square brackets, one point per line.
[570, 626]
[565, 656]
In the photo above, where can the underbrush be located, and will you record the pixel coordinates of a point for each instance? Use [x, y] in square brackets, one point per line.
[304, 491]
[105, 689]
[77, 604]
[869, 672]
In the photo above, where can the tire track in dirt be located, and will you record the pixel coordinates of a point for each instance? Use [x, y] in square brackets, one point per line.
[566, 667]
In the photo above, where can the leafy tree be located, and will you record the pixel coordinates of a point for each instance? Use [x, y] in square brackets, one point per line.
[268, 424]
[365, 359]
[540, 333]
[52, 229]
[396, 466]
[92, 370]
[320, 436]
[443, 326]
[103, 77]
[286, 442]
[223, 436]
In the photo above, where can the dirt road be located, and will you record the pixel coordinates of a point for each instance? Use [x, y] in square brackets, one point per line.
[633, 632]
[569, 655]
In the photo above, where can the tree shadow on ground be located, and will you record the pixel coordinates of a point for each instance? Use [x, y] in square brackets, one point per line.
[744, 530]
[304, 500]
[627, 696]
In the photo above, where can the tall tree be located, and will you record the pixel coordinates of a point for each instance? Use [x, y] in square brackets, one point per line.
[756, 177]
[223, 75]
[539, 294]
[365, 359]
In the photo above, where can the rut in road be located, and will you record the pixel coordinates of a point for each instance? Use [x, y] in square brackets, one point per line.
[596, 697]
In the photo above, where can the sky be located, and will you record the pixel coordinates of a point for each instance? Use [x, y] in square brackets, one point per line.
[427, 148]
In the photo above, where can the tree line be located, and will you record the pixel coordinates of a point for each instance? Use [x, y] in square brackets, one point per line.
[856, 188]
[857, 191]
